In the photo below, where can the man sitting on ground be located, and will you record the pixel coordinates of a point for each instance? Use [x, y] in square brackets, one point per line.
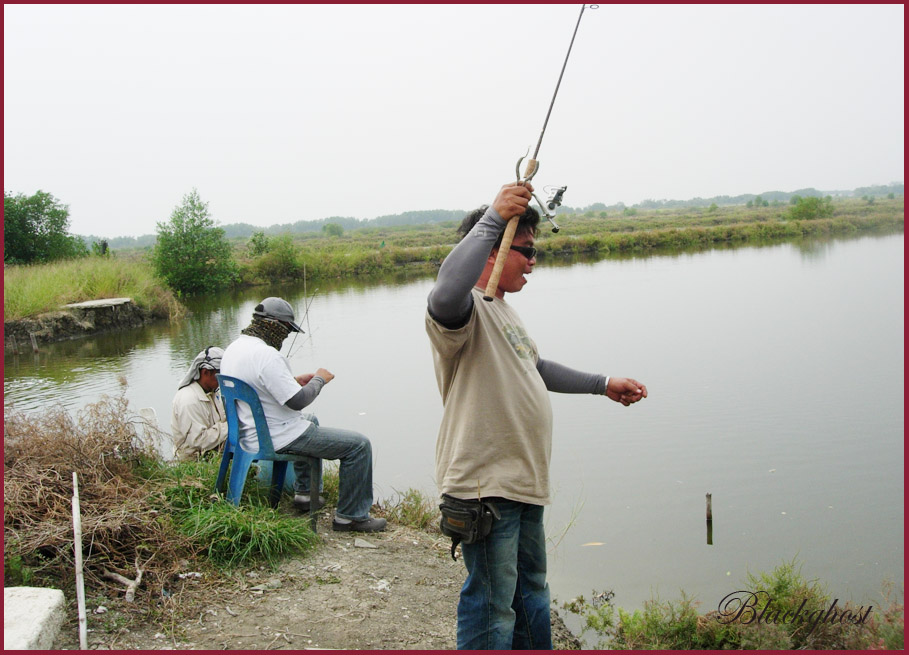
[198, 423]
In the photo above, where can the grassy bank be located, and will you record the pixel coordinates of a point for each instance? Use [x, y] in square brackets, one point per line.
[31, 290]
[372, 251]
[420, 249]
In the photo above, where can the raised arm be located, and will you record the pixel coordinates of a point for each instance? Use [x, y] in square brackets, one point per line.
[450, 302]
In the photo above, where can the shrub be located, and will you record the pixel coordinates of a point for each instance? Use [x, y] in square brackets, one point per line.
[767, 626]
[810, 208]
[281, 261]
[191, 255]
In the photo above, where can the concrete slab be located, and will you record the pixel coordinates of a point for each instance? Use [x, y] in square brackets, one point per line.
[103, 302]
[32, 617]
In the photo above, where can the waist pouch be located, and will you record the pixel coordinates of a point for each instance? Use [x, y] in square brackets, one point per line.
[467, 521]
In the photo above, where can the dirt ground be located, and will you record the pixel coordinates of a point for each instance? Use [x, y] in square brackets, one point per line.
[396, 590]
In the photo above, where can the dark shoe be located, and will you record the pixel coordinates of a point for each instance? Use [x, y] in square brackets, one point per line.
[366, 525]
[303, 505]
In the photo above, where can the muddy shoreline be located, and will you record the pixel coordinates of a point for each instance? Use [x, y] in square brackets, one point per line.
[396, 590]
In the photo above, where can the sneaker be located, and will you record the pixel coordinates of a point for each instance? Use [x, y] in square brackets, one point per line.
[366, 525]
[303, 502]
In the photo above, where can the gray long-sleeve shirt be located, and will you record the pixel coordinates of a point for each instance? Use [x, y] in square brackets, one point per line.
[450, 301]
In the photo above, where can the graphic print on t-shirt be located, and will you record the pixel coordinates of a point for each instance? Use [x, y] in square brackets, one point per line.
[517, 337]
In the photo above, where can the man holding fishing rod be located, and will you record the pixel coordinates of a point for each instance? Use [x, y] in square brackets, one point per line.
[494, 443]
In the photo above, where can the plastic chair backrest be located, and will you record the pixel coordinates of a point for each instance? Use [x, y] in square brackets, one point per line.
[235, 390]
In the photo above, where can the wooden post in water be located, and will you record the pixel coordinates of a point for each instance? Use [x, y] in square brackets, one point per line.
[34, 341]
[709, 521]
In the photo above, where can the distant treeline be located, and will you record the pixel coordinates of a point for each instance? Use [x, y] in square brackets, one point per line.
[245, 230]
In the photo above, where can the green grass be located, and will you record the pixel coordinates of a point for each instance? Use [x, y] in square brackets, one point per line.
[229, 536]
[421, 248]
[31, 290]
[413, 509]
[678, 625]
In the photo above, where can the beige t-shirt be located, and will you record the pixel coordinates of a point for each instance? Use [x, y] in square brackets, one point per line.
[496, 432]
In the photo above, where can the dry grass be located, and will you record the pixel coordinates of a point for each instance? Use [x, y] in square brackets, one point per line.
[121, 529]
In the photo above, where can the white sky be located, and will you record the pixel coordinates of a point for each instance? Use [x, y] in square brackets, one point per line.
[298, 112]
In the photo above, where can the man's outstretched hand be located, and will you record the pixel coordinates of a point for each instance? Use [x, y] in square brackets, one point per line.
[625, 390]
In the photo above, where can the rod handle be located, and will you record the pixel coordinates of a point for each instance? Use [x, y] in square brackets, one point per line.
[531, 169]
[507, 237]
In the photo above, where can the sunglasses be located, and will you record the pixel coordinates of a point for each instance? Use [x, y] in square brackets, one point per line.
[528, 251]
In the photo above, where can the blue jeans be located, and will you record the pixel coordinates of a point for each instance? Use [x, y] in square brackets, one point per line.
[355, 473]
[504, 602]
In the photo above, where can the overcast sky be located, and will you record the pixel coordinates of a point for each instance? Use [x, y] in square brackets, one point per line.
[298, 112]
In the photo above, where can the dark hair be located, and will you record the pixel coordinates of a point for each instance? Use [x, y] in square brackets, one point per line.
[528, 223]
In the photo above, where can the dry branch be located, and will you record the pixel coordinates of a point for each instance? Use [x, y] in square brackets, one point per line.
[131, 585]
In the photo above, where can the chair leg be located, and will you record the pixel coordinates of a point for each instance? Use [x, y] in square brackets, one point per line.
[221, 482]
[238, 472]
[278, 471]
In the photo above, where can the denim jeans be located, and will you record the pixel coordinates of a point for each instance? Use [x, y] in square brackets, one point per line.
[355, 473]
[504, 602]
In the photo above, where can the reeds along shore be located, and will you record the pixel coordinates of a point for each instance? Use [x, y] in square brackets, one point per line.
[420, 249]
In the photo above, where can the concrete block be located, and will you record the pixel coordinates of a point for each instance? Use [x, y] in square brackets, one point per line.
[32, 617]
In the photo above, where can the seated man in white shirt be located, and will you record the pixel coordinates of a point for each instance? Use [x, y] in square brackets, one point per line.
[198, 423]
[255, 357]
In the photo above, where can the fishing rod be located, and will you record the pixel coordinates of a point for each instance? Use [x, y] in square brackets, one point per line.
[554, 200]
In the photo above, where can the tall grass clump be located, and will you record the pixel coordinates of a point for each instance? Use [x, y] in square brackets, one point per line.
[227, 535]
[413, 509]
[35, 289]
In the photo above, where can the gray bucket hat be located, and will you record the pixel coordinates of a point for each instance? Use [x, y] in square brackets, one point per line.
[279, 310]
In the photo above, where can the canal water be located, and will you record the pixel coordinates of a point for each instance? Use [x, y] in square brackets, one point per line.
[776, 380]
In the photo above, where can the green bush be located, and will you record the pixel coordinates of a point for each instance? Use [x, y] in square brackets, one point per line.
[281, 261]
[810, 208]
[191, 255]
[767, 625]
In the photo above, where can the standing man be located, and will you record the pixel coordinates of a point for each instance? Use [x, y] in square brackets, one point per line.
[494, 443]
[255, 358]
[197, 422]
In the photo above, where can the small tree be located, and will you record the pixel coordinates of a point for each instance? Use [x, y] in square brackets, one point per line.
[100, 248]
[257, 244]
[191, 255]
[333, 229]
[35, 229]
[811, 207]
